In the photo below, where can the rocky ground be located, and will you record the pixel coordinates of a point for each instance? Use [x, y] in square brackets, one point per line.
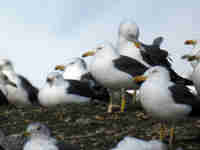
[89, 125]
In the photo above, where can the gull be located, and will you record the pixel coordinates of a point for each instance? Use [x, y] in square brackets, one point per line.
[39, 138]
[57, 90]
[113, 70]
[194, 53]
[166, 100]
[132, 143]
[76, 69]
[148, 55]
[25, 94]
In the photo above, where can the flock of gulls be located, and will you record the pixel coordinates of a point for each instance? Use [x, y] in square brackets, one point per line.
[129, 65]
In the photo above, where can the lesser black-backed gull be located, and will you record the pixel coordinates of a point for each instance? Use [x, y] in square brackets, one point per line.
[57, 90]
[23, 94]
[76, 69]
[113, 70]
[148, 55]
[166, 100]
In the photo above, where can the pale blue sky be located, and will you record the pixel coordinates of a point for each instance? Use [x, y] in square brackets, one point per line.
[37, 35]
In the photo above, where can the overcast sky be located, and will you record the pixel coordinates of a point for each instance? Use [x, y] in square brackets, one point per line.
[37, 35]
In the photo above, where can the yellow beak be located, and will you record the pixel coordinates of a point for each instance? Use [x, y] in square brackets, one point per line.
[190, 42]
[190, 57]
[139, 78]
[26, 134]
[137, 44]
[60, 67]
[89, 53]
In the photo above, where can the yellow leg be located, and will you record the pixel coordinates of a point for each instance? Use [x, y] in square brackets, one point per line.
[134, 96]
[162, 132]
[110, 104]
[59, 116]
[171, 139]
[123, 101]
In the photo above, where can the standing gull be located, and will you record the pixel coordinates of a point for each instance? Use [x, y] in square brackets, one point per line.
[166, 100]
[76, 69]
[148, 55]
[39, 138]
[25, 93]
[113, 70]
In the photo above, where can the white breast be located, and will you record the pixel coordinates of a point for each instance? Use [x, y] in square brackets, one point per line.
[52, 96]
[40, 144]
[157, 101]
[17, 96]
[128, 49]
[109, 76]
[196, 77]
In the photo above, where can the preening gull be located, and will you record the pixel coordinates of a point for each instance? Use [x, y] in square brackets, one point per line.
[148, 55]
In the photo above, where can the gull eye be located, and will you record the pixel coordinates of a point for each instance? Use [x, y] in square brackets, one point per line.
[7, 63]
[154, 71]
[39, 128]
[5, 77]
[99, 48]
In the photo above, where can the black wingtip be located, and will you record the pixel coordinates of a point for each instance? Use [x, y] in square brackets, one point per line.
[158, 41]
[178, 79]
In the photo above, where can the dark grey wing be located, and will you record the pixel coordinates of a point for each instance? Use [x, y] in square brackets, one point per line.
[182, 95]
[154, 55]
[87, 77]
[1, 148]
[158, 41]
[129, 65]
[83, 89]
[64, 146]
[97, 88]
[3, 99]
[31, 90]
